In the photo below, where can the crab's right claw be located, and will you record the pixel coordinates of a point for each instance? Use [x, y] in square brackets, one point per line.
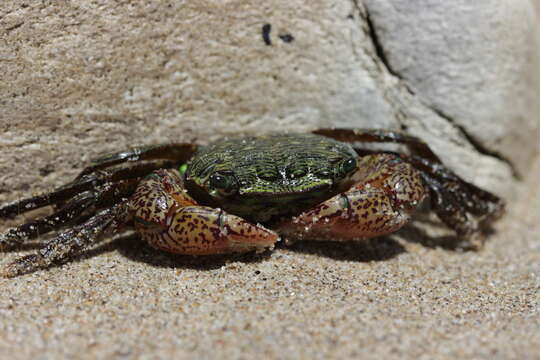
[169, 219]
[200, 230]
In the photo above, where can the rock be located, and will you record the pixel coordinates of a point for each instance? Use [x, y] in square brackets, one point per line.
[468, 62]
[83, 79]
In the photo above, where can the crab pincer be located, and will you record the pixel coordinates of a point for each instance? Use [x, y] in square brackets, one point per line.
[383, 198]
[169, 219]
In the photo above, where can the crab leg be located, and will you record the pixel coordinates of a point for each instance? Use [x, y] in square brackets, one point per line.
[386, 193]
[169, 219]
[32, 229]
[68, 243]
[416, 145]
[85, 183]
[71, 212]
[439, 178]
[178, 152]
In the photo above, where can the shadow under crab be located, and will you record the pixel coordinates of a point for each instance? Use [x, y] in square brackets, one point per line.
[242, 194]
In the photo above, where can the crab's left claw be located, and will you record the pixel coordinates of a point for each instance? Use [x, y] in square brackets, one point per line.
[462, 206]
[386, 194]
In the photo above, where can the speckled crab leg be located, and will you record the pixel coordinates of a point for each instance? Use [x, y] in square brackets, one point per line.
[87, 182]
[416, 145]
[439, 178]
[178, 152]
[169, 219]
[68, 243]
[386, 193]
[71, 212]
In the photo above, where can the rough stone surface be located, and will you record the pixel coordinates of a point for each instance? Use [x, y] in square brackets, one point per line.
[467, 60]
[81, 78]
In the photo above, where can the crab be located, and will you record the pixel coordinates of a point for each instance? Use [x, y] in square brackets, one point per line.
[245, 193]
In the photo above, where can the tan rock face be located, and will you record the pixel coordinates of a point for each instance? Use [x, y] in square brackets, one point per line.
[80, 79]
[474, 71]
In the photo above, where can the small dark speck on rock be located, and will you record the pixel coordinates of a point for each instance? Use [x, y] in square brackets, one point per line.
[288, 38]
[266, 34]
[257, 272]
[46, 170]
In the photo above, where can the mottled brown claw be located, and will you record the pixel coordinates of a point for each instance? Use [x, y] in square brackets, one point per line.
[169, 219]
[386, 194]
[199, 230]
[356, 215]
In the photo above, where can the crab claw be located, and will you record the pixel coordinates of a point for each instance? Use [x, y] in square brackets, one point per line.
[169, 219]
[381, 202]
[200, 230]
[353, 216]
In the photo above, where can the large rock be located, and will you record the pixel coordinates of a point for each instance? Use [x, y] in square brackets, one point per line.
[469, 62]
[79, 79]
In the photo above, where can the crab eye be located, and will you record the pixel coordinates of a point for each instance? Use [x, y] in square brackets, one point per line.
[182, 170]
[348, 165]
[225, 182]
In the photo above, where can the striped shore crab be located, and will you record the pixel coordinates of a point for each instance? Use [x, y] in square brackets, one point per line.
[244, 193]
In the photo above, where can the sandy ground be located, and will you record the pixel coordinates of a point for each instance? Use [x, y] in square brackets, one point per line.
[397, 297]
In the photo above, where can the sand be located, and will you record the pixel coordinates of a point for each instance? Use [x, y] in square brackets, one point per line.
[399, 297]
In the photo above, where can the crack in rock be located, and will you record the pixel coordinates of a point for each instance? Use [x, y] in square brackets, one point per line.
[477, 145]
[381, 57]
